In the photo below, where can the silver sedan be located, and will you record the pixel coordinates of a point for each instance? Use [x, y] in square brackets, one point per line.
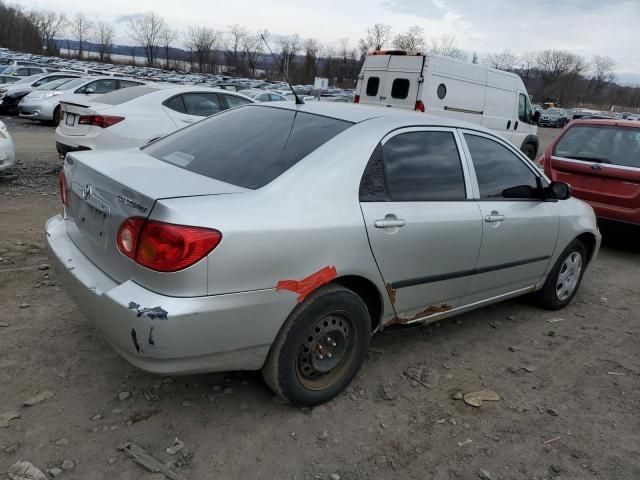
[281, 237]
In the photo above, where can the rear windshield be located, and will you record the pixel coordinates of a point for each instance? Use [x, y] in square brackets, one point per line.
[602, 144]
[124, 95]
[248, 146]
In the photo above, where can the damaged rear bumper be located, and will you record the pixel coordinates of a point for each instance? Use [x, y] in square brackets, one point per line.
[169, 335]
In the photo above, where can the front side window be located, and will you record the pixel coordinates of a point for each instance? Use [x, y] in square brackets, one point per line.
[226, 146]
[372, 86]
[99, 87]
[524, 109]
[400, 88]
[202, 104]
[497, 168]
[423, 166]
[602, 144]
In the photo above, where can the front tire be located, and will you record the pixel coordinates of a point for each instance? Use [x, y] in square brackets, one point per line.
[565, 277]
[320, 348]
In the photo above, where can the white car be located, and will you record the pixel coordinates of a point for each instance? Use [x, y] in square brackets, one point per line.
[263, 96]
[7, 149]
[44, 102]
[138, 115]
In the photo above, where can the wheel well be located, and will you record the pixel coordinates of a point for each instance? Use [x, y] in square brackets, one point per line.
[589, 241]
[368, 292]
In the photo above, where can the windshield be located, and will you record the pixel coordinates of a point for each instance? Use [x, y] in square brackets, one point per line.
[220, 148]
[54, 84]
[554, 111]
[6, 79]
[125, 94]
[603, 144]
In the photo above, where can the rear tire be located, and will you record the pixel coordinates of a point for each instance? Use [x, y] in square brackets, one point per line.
[320, 348]
[56, 117]
[529, 149]
[565, 277]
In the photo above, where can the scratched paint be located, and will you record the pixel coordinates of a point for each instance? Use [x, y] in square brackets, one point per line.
[421, 315]
[152, 313]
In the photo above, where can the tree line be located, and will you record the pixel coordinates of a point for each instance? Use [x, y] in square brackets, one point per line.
[550, 75]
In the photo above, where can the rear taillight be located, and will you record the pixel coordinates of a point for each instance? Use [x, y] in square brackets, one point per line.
[165, 247]
[63, 189]
[102, 121]
[356, 99]
[60, 115]
[419, 106]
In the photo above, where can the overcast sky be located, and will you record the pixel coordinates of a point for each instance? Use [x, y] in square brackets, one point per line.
[606, 27]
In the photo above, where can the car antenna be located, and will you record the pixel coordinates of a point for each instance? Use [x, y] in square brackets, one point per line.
[299, 101]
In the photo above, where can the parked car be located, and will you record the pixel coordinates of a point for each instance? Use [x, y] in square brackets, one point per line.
[13, 94]
[553, 117]
[601, 161]
[7, 149]
[263, 96]
[281, 237]
[44, 103]
[6, 79]
[134, 117]
[17, 71]
[451, 88]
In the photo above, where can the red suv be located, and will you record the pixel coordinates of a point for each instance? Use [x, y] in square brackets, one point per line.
[600, 159]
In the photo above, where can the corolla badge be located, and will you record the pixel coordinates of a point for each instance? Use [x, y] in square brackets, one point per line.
[132, 203]
[86, 191]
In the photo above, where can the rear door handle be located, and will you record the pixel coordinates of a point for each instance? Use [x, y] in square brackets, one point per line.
[390, 223]
[494, 217]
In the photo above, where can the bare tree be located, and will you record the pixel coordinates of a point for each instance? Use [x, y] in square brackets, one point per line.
[446, 45]
[411, 41]
[103, 33]
[79, 27]
[376, 38]
[311, 48]
[528, 62]
[289, 48]
[254, 47]
[146, 30]
[200, 41]
[558, 70]
[504, 60]
[167, 37]
[235, 51]
[49, 25]
[603, 68]
[474, 58]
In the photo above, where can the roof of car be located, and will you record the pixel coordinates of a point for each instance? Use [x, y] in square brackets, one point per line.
[615, 122]
[359, 113]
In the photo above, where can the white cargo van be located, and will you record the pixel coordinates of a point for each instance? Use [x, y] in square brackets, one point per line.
[453, 88]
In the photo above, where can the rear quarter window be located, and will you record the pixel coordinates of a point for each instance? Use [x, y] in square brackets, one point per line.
[248, 146]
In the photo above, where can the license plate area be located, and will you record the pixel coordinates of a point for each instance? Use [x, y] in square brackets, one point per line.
[90, 214]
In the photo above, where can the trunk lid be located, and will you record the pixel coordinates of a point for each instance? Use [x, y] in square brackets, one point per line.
[105, 188]
[70, 112]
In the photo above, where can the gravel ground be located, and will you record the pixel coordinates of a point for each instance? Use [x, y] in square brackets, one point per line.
[568, 382]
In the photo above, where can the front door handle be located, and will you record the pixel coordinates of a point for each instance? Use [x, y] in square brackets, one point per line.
[389, 223]
[494, 217]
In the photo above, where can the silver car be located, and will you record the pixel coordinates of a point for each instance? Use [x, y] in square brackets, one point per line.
[281, 237]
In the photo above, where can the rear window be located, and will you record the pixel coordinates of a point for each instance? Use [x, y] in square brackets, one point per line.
[400, 88]
[372, 86]
[602, 144]
[248, 146]
[124, 95]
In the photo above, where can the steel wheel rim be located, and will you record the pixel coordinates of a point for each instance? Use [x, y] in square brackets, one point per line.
[569, 276]
[326, 351]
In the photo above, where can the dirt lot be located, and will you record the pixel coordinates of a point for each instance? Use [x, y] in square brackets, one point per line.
[569, 382]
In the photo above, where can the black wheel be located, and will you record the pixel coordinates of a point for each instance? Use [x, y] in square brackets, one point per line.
[56, 117]
[320, 348]
[530, 150]
[565, 277]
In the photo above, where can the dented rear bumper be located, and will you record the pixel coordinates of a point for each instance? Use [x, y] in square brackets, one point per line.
[170, 335]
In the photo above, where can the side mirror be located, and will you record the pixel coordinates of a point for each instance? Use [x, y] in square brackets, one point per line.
[559, 191]
[521, 191]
